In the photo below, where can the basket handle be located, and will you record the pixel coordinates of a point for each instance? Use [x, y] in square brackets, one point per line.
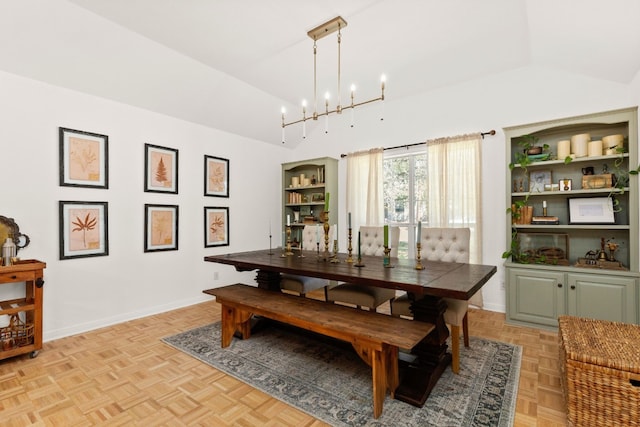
[635, 380]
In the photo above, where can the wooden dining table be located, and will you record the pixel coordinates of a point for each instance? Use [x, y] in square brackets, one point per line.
[420, 368]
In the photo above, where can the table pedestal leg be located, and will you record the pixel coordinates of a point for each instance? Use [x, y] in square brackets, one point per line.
[420, 373]
[269, 280]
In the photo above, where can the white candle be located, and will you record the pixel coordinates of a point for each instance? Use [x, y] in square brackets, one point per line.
[288, 220]
[564, 149]
[595, 148]
[419, 231]
[544, 204]
[579, 144]
[349, 220]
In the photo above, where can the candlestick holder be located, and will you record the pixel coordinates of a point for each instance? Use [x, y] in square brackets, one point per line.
[334, 257]
[349, 249]
[325, 227]
[289, 252]
[318, 250]
[419, 265]
[359, 262]
[270, 247]
[386, 260]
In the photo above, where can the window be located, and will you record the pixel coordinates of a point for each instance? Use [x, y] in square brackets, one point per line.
[439, 184]
[405, 193]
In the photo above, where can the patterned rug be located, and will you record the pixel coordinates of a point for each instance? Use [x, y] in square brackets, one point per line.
[327, 380]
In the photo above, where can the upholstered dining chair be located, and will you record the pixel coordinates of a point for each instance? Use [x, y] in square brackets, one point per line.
[371, 243]
[446, 245]
[303, 284]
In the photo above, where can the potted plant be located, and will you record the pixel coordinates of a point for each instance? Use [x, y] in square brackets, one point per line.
[529, 147]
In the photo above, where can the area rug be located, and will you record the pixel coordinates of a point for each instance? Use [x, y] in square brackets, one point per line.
[327, 380]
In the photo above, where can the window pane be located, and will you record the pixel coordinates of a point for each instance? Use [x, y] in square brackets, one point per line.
[420, 188]
[396, 190]
[403, 245]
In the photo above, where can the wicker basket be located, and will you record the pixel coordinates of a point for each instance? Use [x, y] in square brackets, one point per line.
[600, 371]
[16, 334]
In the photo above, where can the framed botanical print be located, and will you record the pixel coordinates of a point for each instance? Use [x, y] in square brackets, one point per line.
[84, 159]
[160, 228]
[160, 169]
[216, 176]
[83, 229]
[216, 226]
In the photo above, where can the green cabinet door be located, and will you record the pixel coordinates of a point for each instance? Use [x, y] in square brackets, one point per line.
[535, 296]
[602, 297]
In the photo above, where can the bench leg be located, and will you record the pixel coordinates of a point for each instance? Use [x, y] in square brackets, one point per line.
[392, 369]
[384, 372]
[379, 372]
[234, 320]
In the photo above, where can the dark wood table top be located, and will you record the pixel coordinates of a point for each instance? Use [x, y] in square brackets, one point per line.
[443, 279]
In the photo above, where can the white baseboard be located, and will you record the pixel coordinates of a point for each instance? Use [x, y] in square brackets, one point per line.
[51, 335]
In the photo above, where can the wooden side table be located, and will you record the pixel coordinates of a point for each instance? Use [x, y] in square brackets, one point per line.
[24, 332]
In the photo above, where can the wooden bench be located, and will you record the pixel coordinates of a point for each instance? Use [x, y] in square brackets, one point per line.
[375, 337]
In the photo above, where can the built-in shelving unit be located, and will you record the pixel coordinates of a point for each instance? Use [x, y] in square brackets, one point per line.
[305, 185]
[551, 268]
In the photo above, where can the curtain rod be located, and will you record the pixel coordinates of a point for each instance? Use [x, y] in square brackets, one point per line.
[491, 132]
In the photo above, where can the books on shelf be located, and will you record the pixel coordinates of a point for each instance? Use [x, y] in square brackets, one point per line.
[545, 220]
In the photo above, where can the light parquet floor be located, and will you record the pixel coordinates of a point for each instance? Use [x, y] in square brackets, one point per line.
[124, 375]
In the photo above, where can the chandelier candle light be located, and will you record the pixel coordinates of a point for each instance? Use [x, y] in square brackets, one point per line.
[335, 24]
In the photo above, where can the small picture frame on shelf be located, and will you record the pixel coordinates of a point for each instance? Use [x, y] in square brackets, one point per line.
[317, 197]
[591, 210]
[538, 179]
[564, 184]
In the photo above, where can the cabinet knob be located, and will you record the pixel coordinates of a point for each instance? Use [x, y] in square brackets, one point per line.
[14, 277]
[573, 286]
[559, 285]
[39, 282]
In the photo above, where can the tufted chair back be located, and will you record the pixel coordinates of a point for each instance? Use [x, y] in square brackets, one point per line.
[445, 244]
[310, 236]
[372, 240]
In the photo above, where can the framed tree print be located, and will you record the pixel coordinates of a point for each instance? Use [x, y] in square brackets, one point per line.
[216, 176]
[83, 229]
[160, 169]
[160, 228]
[216, 226]
[84, 159]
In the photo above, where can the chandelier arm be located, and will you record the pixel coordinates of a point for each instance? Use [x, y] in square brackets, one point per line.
[338, 108]
[315, 80]
[327, 112]
[319, 32]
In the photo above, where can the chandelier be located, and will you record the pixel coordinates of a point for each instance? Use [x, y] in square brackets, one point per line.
[329, 27]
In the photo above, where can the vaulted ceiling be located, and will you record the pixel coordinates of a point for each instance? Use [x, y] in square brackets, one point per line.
[231, 65]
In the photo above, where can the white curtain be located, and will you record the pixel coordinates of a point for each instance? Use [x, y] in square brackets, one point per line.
[453, 194]
[364, 187]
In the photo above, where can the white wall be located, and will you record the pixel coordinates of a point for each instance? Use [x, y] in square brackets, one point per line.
[520, 96]
[83, 294]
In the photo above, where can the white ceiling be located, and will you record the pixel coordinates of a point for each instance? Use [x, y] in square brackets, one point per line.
[220, 62]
